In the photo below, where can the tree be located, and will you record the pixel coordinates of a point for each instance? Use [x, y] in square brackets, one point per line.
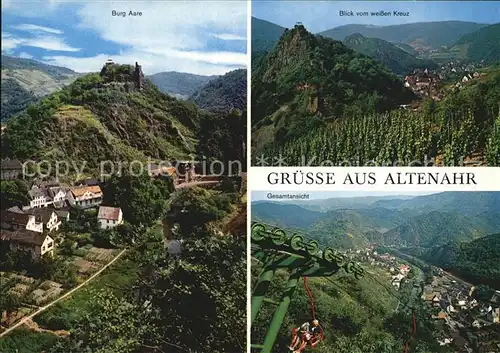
[113, 324]
[222, 138]
[199, 208]
[141, 198]
[201, 297]
[13, 193]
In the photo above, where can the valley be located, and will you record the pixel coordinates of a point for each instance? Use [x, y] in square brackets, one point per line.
[431, 257]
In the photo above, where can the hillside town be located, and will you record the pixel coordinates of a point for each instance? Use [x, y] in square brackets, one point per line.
[466, 319]
[431, 82]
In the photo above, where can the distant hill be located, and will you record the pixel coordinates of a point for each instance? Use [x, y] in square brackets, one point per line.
[24, 81]
[430, 34]
[397, 60]
[284, 214]
[265, 35]
[436, 228]
[179, 84]
[388, 221]
[407, 48]
[483, 44]
[224, 93]
[465, 203]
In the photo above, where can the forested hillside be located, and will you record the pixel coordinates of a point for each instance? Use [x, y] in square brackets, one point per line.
[179, 84]
[307, 78]
[397, 60]
[476, 260]
[265, 35]
[432, 34]
[223, 93]
[423, 221]
[481, 45]
[103, 117]
[24, 81]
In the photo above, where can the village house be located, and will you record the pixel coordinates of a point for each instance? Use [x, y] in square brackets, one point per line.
[39, 197]
[85, 196]
[48, 217]
[13, 221]
[493, 315]
[109, 217]
[37, 243]
[62, 214]
[10, 169]
[59, 196]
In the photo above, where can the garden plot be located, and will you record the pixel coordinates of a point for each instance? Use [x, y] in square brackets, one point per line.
[84, 267]
[100, 255]
[46, 291]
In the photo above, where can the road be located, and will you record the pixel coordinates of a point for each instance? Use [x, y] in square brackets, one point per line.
[43, 308]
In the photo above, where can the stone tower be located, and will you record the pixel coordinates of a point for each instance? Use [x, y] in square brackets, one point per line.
[138, 76]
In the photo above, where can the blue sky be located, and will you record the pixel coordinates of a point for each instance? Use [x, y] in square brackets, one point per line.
[203, 37]
[318, 16]
[316, 195]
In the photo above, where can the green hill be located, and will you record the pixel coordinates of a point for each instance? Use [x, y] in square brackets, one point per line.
[428, 34]
[179, 84]
[476, 260]
[223, 93]
[436, 228]
[104, 117]
[397, 60]
[357, 316]
[423, 221]
[465, 203]
[284, 215]
[265, 35]
[24, 81]
[307, 79]
[483, 44]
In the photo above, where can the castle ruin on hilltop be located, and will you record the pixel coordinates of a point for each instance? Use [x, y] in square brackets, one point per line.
[133, 78]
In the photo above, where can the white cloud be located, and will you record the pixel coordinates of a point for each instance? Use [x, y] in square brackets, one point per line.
[218, 58]
[228, 36]
[46, 42]
[9, 42]
[171, 35]
[151, 63]
[25, 55]
[35, 28]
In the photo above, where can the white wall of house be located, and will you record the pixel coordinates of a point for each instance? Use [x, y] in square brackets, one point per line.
[34, 225]
[60, 196]
[108, 223]
[40, 201]
[87, 200]
[47, 246]
[53, 222]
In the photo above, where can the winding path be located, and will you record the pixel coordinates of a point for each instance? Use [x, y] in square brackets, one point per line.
[43, 308]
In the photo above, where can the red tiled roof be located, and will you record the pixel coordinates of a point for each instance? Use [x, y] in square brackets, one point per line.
[111, 213]
[81, 190]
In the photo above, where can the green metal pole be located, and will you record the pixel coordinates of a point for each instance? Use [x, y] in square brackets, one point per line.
[279, 315]
[261, 287]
